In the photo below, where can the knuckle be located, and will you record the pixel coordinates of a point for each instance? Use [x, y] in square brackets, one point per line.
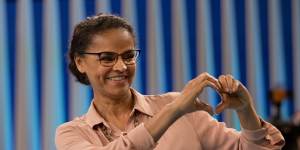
[204, 75]
[221, 77]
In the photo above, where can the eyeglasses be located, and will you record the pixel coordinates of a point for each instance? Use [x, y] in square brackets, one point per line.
[109, 59]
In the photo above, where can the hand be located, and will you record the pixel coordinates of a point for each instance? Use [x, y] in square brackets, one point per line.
[234, 94]
[184, 103]
[187, 102]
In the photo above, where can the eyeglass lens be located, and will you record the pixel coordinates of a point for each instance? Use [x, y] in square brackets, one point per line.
[110, 58]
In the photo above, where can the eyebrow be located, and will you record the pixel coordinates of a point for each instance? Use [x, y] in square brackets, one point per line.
[83, 52]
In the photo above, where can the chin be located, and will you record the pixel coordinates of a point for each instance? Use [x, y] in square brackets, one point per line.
[121, 91]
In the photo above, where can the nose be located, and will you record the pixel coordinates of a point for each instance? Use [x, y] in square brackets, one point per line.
[120, 65]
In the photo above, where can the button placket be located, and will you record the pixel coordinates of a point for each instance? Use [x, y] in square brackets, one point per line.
[107, 132]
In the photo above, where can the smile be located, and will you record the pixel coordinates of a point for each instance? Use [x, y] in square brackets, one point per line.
[118, 78]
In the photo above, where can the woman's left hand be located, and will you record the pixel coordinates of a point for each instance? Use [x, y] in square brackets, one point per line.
[234, 94]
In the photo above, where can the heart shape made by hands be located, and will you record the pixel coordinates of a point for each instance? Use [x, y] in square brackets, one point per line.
[212, 97]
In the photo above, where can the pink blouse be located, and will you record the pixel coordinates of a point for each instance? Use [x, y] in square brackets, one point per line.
[194, 131]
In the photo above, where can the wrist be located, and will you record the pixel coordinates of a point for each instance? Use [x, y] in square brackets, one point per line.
[248, 118]
[245, 110]
[175, 109]
[247, 107]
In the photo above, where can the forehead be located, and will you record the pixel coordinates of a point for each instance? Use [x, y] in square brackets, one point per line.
[114, 40]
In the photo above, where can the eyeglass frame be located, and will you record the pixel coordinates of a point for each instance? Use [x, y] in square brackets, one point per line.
[116, 54]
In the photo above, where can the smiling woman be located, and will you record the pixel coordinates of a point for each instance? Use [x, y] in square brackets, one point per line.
[110, 77]
[103, 55]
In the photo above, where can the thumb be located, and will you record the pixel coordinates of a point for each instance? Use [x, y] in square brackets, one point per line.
[222, 105]
[209, 110]
[220, 108]
[200, 105]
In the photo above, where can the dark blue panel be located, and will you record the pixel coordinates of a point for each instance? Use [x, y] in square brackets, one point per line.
[38, 24]
[167, 39]
[287, 45]
[240, 24]
[11, 38]
[216, 29]
[89, 7]
[192, 33]
[142, 34]
[263, 20]
[116, 7]
[64, 26]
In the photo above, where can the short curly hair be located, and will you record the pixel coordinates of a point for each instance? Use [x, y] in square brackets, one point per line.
[85, 31]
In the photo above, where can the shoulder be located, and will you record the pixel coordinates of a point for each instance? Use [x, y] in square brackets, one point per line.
[78, 126]
[75, 123]
[75, 133]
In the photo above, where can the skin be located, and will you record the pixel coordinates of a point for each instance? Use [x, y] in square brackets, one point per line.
[236, 96]
[114, 101]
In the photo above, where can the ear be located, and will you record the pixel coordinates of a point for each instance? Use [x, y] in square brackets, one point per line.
[79, 64]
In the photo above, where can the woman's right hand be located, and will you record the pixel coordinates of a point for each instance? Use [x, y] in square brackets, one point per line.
[188, 102]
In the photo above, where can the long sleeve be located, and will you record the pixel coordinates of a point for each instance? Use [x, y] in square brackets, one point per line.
[215, 135]
[72, 138]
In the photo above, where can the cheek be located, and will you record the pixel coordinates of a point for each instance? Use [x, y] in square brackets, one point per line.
[132, 72]
[101, 73]
[98, 74]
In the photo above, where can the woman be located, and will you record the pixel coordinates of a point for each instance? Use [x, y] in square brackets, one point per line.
[103, 55]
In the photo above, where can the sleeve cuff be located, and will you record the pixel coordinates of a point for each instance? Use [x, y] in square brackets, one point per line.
[266, 132]
[255, 135]
[141, 138]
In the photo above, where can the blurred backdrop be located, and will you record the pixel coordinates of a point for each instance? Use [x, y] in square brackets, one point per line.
[257, 41]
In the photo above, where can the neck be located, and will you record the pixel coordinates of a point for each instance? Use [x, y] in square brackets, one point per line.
[117, 107]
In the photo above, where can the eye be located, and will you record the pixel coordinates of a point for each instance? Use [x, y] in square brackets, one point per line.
[129, 55]
[107, 57]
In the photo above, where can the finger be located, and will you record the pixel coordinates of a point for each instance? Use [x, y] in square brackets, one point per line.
[204, 75]
[236, 85]
[209, 110]
[230, 81]
[222, 82]
[197, 85]
[212, 84]
[220, 107]
[212, 81]
[204, 84]
[215, 82]
[207, 76]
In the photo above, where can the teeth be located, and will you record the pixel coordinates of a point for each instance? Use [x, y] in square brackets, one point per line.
[117, 78]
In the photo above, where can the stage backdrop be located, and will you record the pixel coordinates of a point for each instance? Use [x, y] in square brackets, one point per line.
[257, 41]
